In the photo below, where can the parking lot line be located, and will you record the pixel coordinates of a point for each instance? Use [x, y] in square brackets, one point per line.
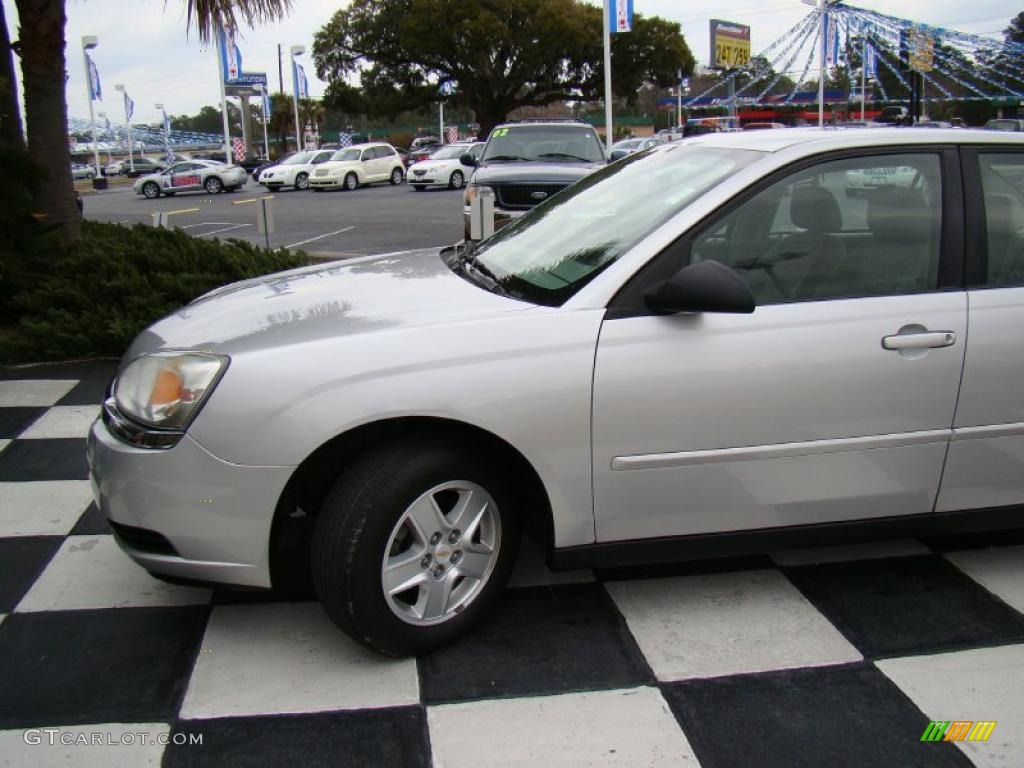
[224, 229]
[206, 224]
[319, 237]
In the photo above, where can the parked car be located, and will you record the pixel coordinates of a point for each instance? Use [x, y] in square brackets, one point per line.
[1005, 124]
[357, 165]
[894, 115]
[143, 166]
[116, 167]
[192, 176]
[629, 146]
[762, 126]
[424, 141]
[419, 154]
[707, 347]
[529, 162]
[295, 171]
[443, 168]
[268, 163]
[80, 171]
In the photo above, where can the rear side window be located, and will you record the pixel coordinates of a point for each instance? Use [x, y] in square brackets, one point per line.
[866, 226]
[1002, 183]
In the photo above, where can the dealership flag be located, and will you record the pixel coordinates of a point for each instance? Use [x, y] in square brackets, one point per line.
[300, 84]
[95, 90]
[621, 16]
[344, 140]
[870, 63]
[129, 107]
[230, 56]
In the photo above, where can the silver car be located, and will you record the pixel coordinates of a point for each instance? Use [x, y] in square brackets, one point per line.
[192, 176]
[706, 348]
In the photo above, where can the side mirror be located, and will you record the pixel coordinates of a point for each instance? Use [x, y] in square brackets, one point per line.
[468, 160]
[707, 286]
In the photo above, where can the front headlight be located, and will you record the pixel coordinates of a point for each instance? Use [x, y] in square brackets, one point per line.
[166, 389]
[472, 191]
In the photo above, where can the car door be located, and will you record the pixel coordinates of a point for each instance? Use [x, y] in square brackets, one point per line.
[381, 164]
[985, 467]
[833, 401]
[185, 176]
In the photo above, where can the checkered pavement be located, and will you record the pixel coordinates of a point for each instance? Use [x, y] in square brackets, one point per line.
[836, 656]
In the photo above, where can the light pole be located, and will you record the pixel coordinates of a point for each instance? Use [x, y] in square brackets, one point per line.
[167, 135]
[128, 124]
[102, 115]
[266, 119]
[296, 50]
[88, 43]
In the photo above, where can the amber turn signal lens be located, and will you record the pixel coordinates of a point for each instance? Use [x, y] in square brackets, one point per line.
[167, 388]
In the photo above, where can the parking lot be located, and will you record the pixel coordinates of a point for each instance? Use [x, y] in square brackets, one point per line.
[375, 219]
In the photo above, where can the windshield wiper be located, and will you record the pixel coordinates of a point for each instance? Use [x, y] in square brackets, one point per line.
[504, 157]
[571, 157]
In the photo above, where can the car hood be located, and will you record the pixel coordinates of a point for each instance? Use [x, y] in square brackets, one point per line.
[447, 163]
[535, 173]
[370, 294]
[283, 168]
[339, 165]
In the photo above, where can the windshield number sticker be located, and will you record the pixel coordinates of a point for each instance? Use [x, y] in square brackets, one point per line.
[185, 181]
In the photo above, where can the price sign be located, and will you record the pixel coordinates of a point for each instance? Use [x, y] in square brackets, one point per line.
[191, 180]
[730, 44]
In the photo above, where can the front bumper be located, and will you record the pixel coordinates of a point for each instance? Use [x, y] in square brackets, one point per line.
[326, 181]
[215, 516]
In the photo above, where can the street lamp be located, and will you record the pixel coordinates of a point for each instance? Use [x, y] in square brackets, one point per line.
[296, 50]
[88, 43]
[128, 125]
[167, 135]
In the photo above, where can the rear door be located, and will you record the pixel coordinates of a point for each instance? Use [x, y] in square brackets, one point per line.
[833, 401]
[186, 176]
[985, 467]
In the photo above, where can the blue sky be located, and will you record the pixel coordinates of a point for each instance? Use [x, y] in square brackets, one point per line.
[143, 43]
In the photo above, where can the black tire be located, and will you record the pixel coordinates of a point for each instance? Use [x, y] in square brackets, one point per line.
[151, 190]
[169, 194]
[419, 187]
[355, 525]
[351, 181]
[397, 177]
[213, 185]
[318, 189]
[302, 181]
[457, 180]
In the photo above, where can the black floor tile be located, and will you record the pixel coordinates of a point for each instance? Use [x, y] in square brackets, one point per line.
[84, 370]
[22, 559]
[90, 391]
[126, 665]
[13, 421]
[907, 605]
[842, 717]
[978, 540]
[57, 459]
[538, 641]
[375, 738]
[686, 568]
[91, 523]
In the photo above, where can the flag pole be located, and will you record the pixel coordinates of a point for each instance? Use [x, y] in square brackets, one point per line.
[221, 62]
[606, 23]
[266, 119]
[821, 76]
[863, 78]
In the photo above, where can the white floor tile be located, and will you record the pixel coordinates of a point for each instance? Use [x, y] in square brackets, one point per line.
[42, 508]
[2, 617]
[981, 684]
[93, 572]
[847, 552]
[624, 728]
[532, 571]
[3, 444]
[121, 745]
[62, 421]
[723, 624]
[33, 392]
[283, 657]
[1000, 570]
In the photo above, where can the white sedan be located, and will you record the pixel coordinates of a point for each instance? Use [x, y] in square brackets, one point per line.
[443, 169]
[192, 176]
[360, 164]
[295, 171]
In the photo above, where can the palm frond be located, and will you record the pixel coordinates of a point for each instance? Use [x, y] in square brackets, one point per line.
[209, 15]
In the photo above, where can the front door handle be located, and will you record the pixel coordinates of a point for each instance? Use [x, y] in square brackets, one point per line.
[919, 340]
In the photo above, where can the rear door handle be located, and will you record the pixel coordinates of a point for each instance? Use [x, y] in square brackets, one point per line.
[919, 340]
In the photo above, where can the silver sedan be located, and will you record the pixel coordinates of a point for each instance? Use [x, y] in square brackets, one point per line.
[708, 347]
[192, 176]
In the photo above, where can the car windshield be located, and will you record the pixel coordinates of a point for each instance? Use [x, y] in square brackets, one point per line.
[450, 152]
[627, 144]
[346, 155]
[298, 158]
[555, 143]
[554, 250]
[1002, 125]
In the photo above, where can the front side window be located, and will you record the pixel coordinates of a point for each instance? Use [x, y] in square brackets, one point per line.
[299, 158]
[866, 226]
[555, 249]
[1002, 183]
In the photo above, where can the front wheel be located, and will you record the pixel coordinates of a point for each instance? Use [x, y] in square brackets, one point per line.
[457, 180]
[396, 176]
[214, 185]
[413, 543]
[302, 181]
[351, 181]
[151, 190]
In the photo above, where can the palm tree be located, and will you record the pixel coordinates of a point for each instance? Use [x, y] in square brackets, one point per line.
[282, 119]
[311, 112]
[43, 72]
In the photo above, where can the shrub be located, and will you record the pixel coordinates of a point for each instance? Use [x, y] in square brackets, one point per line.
[93, 299]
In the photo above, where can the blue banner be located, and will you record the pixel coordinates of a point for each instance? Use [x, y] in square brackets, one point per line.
[620, 16]
[230, 56]
[300, 85]
[129, 107]
[95, 89]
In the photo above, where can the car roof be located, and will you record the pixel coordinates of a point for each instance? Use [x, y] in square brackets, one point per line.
[839, 138]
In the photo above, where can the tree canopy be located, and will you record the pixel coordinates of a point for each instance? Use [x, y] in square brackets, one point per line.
[497, 56]
[1015, 32]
